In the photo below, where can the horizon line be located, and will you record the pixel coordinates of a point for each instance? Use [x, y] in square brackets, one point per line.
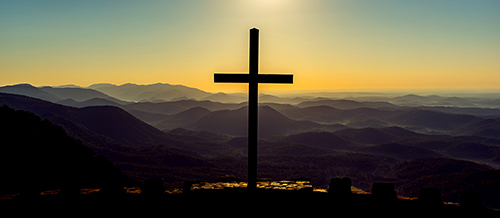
[312, 91]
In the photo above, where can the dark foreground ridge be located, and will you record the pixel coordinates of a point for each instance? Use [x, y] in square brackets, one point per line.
[237, 201]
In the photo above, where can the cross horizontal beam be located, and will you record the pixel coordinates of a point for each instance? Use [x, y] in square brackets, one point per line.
[248, 78]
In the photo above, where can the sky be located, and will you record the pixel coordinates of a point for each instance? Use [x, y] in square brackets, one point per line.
[325, 44]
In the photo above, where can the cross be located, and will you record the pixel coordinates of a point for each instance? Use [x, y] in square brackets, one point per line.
[253, 78]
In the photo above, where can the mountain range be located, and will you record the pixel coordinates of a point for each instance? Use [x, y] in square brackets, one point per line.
[187, 139]
[97, 124]
[153, 92]
[161, 92]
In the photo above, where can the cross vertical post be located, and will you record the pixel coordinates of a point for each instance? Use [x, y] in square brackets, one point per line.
[253, 78]
[253, 108]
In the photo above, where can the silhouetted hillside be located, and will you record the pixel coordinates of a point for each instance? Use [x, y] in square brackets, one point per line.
[223, 122]
[478, 139]
[400, 132]
[484, 127]
[148, 117]
[74, 96]
[226, 98]
[453, 103]
[29, 90]
[471, 150]
[271, 122]
[321, 114]
[266, 98]
[119, 125]
[115, 127]
[417, 168]
[38, 156]
[103, 121]
[159, 91]
[200, 135]
[362, 168]
[365, 135]
[93, 102]
[432, 119]
[324, 140]
[181, 119]
[480, 112]
[280, 148]
[414, 100]
[409, 118]
[108, 121]
[328, 114]
[174, 107]
[400, 143]
[486, 183]
[362, 122]
[37, 106]
[159, 96]
[400, 151]
[415, 119]
[277, 106]
[80, 132]
[77, 94]
[346, 104]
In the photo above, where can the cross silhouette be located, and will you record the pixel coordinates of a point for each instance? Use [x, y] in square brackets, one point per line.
[253, 78]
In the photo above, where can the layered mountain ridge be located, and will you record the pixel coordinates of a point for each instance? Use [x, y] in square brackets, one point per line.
[200, 139]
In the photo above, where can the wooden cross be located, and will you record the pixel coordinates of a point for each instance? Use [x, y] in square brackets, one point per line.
[253, 78]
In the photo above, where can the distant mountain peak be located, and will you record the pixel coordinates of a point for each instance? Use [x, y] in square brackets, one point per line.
[100, 85]
[130, 84]
[159, 83]
[412, 95]
[29, 90]
[24, 85]
[66, 86]
[194, 110]
[220, 93]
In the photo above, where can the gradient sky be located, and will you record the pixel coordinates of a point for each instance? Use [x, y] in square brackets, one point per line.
[326, 44]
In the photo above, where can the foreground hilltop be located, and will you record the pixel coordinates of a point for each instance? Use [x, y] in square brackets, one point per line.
[272, 202]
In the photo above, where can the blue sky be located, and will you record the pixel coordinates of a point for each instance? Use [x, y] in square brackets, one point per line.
[335, 44]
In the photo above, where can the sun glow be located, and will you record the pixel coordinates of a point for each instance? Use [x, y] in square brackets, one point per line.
[268, 7]
[270, 3]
